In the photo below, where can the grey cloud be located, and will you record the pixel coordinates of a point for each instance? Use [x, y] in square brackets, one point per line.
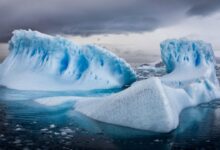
[86, 17]
[204, 7]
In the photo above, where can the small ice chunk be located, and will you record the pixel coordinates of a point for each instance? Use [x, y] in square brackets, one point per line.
[52, 126]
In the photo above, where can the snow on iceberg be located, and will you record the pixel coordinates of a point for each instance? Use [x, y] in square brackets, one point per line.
[42, 62]
[155, 104]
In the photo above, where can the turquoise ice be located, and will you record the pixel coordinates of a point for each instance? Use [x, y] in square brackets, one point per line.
[41, 62]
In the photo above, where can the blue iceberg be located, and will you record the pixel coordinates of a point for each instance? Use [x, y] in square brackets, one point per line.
[41, 62]
[155, 104]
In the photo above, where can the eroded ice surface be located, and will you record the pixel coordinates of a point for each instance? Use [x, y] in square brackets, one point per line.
[155, 103]
[42, 62]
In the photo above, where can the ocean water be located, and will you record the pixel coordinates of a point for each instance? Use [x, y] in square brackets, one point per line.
[24, 124]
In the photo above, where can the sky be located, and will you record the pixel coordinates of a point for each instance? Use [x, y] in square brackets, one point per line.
[123, 24]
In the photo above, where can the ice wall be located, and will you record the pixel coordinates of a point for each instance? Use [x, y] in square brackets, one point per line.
[41, 62]
[180, 53]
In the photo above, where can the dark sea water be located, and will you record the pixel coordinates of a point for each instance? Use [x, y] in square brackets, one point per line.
[25, 124]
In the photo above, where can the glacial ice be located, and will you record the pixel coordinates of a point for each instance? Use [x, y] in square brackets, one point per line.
[41, 62]
[155, 104]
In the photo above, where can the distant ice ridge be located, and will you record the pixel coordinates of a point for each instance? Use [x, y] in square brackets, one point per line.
[41, 62]
[155, 104]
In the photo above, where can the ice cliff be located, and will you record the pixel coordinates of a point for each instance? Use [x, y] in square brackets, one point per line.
[41, 62]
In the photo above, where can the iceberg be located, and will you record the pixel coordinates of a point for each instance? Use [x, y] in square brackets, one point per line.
[155, 104]
[41, 62]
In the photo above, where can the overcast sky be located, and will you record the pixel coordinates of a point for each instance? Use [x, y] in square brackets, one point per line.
[128, 24]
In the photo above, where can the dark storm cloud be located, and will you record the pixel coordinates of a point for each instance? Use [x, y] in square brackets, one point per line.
[86, 17]
[204, 7]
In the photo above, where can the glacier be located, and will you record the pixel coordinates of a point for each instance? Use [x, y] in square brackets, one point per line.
[155, 104]
[42, 62]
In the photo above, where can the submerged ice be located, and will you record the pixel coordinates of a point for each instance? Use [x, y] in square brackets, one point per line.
[42, 62]
[156, 103]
